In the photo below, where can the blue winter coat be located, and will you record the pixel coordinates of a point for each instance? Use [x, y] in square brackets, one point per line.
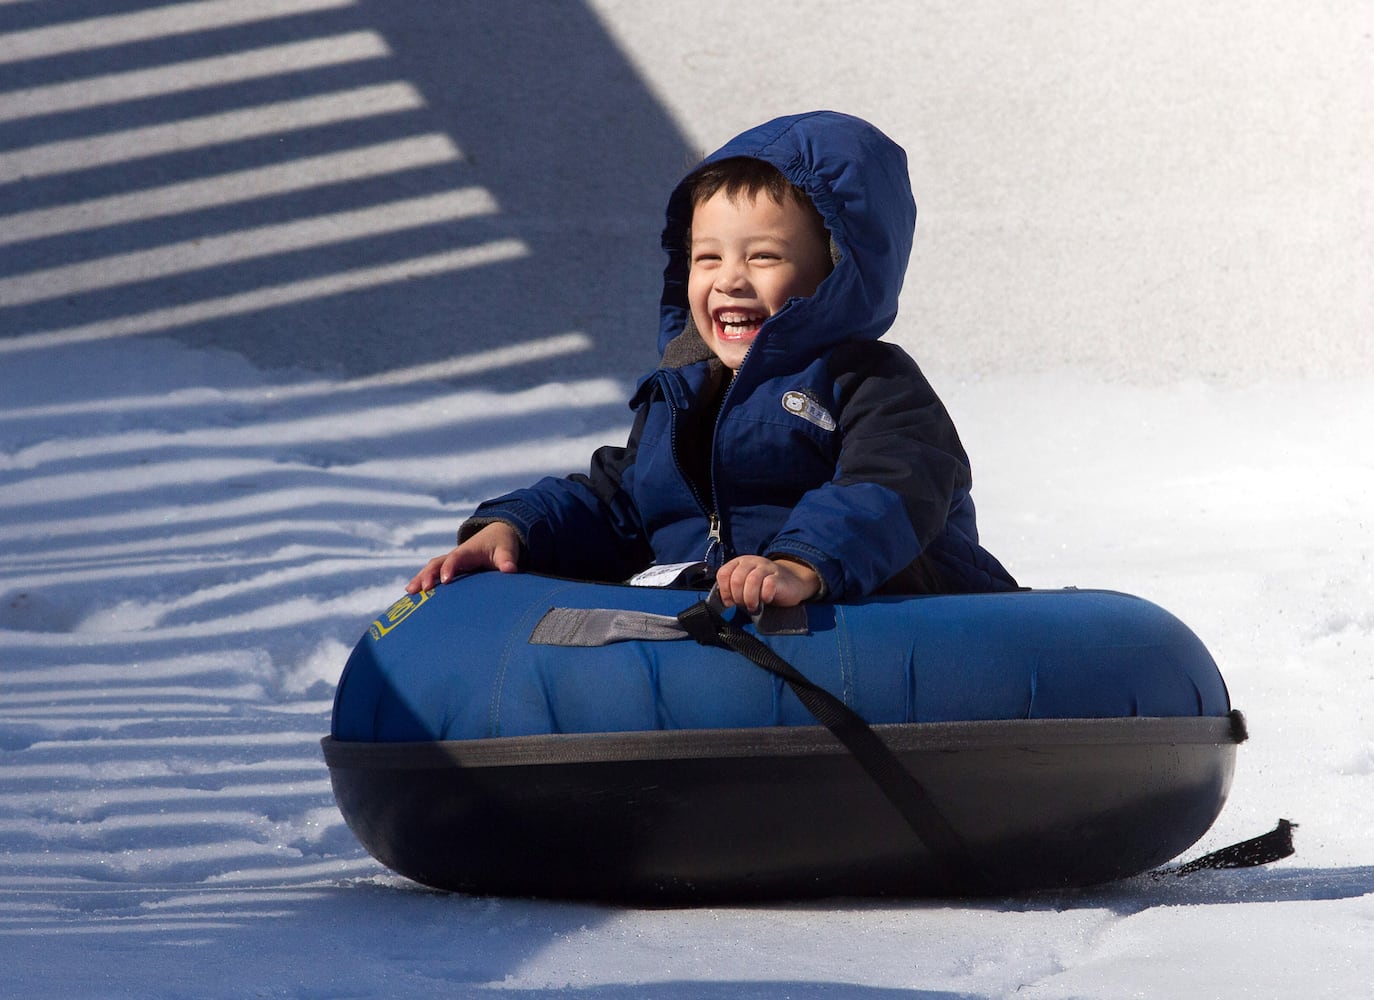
[829, 445]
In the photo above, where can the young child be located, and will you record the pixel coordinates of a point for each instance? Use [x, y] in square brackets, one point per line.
[779, 440]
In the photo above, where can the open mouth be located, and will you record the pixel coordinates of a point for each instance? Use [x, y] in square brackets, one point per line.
[735, 324]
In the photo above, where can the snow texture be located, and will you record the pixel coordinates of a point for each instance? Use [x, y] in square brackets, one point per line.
[286, 288]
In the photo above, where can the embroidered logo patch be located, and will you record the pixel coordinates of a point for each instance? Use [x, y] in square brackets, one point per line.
[807, 408]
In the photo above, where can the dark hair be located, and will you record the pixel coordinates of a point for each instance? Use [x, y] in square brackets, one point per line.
[744, 175]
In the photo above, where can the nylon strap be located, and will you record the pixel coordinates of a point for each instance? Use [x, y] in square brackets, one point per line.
[1275, 845]
[704, 624]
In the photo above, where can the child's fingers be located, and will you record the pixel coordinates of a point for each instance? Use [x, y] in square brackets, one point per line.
[733, 579]
[741, 581]
[451, 565]
[725, 583]
[754, 581]
[497, 546]
[504, 559]
[752, 589]
[464, 559]
[771, 588]
[498, 550]
[426, 578]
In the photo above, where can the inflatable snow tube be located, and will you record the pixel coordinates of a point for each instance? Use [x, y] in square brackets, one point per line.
[1056, 738]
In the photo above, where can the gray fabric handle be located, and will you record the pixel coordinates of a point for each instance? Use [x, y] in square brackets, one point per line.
[603, 626]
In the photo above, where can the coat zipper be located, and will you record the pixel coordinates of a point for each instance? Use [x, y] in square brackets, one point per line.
[713, 542]
[714, 556]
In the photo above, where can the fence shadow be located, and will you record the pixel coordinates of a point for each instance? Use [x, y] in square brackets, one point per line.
[355, 186]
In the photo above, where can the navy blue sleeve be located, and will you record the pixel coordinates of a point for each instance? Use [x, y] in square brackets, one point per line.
[901, 467]
[581, 526]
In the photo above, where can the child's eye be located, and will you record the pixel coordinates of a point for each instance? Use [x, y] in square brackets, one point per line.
[706, 258]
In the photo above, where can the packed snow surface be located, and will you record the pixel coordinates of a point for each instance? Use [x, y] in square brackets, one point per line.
[191, 547]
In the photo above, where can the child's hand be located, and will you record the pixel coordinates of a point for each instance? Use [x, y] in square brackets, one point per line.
[754, 581]
[497, 546]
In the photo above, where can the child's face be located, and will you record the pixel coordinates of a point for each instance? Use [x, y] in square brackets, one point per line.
[748, 259]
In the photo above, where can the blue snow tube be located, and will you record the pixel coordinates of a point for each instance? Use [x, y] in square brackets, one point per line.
[1062, 738]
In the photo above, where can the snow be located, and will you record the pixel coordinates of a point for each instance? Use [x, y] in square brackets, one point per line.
[185, 574]
[206, 491]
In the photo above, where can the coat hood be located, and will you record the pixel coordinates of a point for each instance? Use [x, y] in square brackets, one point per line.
[857, 178]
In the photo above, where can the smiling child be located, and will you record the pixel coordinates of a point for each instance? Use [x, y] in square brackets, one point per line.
[779, 441]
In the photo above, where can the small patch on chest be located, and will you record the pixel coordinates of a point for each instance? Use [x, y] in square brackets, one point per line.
[795, 401]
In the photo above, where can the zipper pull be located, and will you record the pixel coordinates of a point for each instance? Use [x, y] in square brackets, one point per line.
[713, 543]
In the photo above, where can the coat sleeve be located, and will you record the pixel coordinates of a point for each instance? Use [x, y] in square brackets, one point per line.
[580, 526]
[900, 470]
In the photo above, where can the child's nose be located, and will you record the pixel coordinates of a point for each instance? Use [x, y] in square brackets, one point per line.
[732, 277]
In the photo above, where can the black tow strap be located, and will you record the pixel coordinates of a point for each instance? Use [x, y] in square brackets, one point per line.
[1269, 847]
[704, 624]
